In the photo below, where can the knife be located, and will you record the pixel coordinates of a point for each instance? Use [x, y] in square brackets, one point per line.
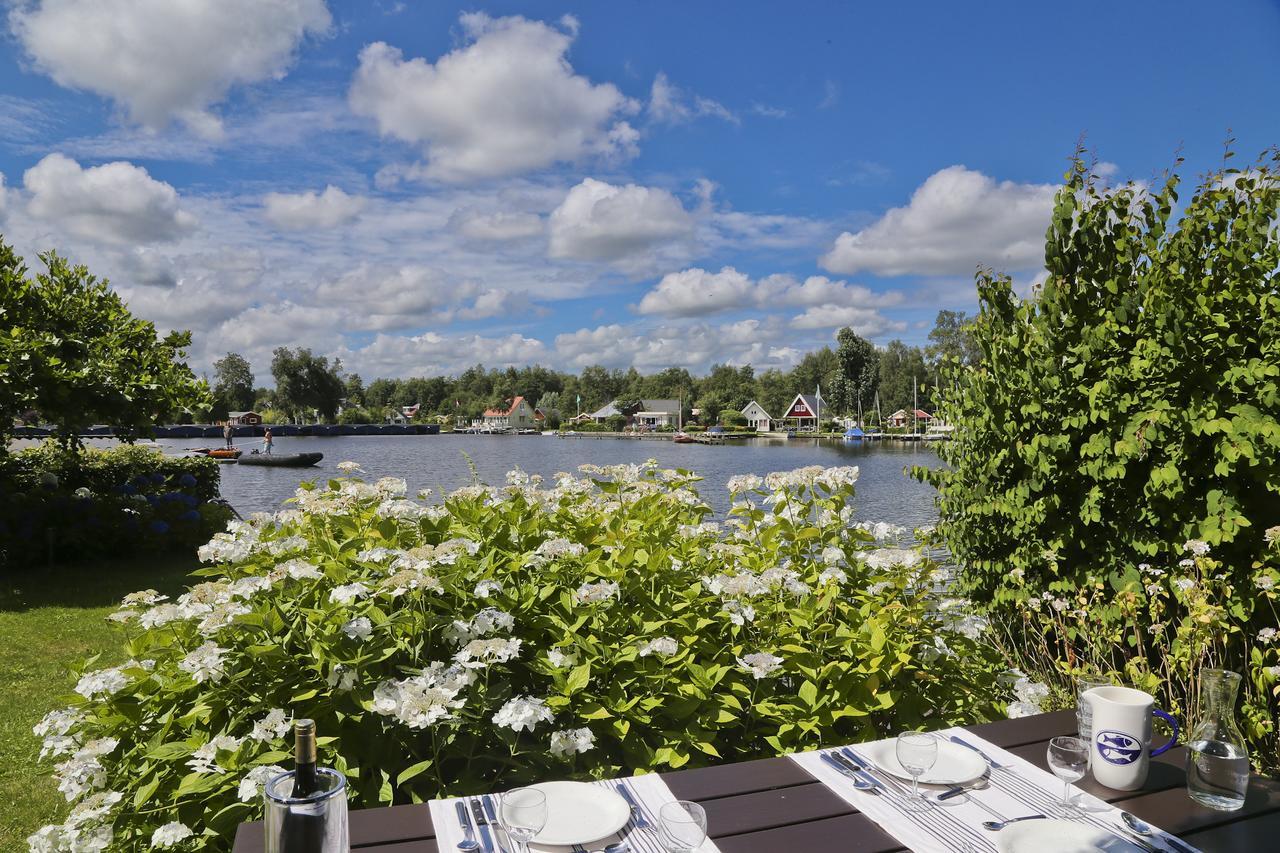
[637, 814]
[492, 814]
[858, 782]
[845, 759]
[957, 740]
[486, 839]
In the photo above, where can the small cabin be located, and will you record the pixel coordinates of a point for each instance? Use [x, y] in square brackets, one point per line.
[757, 418]
[518, 414]
[804, 411]
[904, 417]
[244, 418]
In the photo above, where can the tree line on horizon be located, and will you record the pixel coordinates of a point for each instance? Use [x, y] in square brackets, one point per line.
[855, 372]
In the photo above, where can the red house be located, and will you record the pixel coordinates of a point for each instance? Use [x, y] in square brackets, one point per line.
[805, 410]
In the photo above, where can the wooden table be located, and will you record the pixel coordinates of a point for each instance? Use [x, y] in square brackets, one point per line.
[774, 805]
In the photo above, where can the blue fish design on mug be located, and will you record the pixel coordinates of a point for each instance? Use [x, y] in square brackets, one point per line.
[1118, 747]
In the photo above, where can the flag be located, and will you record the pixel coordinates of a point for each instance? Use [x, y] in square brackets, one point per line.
[579, 399]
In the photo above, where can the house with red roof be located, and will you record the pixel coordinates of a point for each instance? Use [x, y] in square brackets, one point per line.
[903, 417]
[518, 414]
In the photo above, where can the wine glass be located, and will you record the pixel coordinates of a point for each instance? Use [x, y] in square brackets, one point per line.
[917, 752]
[683, 826]
[1069, 760]
[523, 814]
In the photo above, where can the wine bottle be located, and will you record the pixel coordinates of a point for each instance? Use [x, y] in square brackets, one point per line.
[303, 828]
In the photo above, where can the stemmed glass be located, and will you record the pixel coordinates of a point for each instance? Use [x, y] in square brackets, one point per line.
[917, 752]
[1069, 761]
[523, 813]
[683, 826]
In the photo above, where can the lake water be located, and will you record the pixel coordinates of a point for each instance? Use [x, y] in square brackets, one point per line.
[884, 492]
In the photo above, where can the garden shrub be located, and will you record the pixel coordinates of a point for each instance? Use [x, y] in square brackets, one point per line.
[594, 628]
[1113, 486]
[80, 504]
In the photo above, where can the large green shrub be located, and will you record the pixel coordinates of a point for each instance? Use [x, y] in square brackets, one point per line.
[77, 504]
[1116, 454]
[510, 635]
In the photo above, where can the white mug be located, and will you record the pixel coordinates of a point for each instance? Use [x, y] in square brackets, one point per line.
[1120, 736]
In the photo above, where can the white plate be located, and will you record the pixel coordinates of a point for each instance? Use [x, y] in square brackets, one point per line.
[1060, 836]
[956, 765]
[578, 813]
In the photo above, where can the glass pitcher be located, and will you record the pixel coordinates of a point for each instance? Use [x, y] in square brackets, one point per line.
[1217, 761]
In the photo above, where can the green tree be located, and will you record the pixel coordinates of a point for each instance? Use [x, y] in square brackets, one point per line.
[818, 368]
[1130, 405]
[354, 390]
[899, 366]
[859, 373]
[71, 351]
[307, 383]
[952, 338]
[232, 385]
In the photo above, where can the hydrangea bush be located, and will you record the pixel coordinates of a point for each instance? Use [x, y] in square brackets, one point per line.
[600, 626]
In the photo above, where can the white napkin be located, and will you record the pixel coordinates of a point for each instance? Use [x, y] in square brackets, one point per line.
[651, 792]
[1022, 789]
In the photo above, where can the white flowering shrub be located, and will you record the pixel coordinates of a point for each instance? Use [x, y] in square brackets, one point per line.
[597, 627]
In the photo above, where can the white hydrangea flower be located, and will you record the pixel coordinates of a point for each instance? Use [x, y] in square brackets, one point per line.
[102, 682]
[1273, 671]
[170, 835]
[300, 569]
[359, 628]
[590, 593]
[203, 760]
[348, 468]
[273, 726]
[1267, 636]
[417, 702]
[886, 558]
[478, 654]
[1266, 583]
[486, 588]
[882, 531]
[348, 593]
[760, 664]
[393, 486]
[1184, 584]
[661, 646]
[832, 556]
[1272, 535]
[251, 785]
[560, 659]
[833, 575]
[1196, 546]
[739, 613]
[523, 713]
[206, 663]
[146, 597]
[570, 741]
[744, 483]
[341, 677]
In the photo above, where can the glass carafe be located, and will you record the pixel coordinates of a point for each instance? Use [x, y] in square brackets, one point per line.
[1217, 761]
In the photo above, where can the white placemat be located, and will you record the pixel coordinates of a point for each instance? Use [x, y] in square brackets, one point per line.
[649, 791]
[1019, 788]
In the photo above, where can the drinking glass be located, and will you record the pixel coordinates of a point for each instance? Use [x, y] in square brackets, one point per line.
[523, 814]
[917, 752]
[317, 822]
[1068, 759]
[683, 826]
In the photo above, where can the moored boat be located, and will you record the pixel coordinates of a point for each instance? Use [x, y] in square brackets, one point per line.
[282, 460]
[682, 438]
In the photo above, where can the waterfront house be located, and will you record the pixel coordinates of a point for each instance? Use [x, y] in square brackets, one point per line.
[804, 411]
[518, 414]
[757, 418]
[903, 417]
[244, 418]
[652, 414]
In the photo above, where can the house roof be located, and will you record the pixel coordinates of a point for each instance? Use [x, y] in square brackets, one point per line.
[241, 414]
[670, 407]
[903, 413]
[498, 413]
[758, 406]
[812, 402]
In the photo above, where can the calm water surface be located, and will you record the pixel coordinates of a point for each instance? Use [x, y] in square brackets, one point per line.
[884, 492]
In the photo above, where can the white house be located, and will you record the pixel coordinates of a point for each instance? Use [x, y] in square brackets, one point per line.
[653, 413]
[518, 415]
[805, 410]
[757, 418]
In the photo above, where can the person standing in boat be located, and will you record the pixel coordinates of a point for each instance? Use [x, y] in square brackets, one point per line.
[228, 433]
[266, 441]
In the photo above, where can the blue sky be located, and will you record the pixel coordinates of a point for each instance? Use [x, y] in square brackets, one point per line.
[416, 187]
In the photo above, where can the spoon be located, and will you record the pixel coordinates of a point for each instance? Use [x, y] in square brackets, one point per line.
[469, 843]
[1143, 828]
[997, 825]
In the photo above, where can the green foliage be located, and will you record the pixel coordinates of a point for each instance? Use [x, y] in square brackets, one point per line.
[307, 383]
[899, 366]
[859, 376]
[952, 339]
[1129, 406]
[232, 385]
[606, 613]
[91, 503]
[71, 351]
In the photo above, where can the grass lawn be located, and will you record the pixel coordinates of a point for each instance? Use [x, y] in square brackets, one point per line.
[50, 619]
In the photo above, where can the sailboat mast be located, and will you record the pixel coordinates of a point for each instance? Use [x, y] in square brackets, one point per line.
[915, 406]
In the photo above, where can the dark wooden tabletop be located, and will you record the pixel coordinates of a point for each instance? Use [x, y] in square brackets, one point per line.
[774, 805]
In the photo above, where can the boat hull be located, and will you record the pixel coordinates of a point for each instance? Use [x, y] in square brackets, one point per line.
[283, 460]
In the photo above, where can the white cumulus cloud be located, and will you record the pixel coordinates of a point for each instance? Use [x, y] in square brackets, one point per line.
[506, 102]
[956, 220]
[116, 203]
[598, 221]
[298, 211]
[695, 292]
[163, 59]
[669, 104]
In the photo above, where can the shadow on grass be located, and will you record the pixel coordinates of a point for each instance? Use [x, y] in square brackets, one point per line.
[96, 583]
